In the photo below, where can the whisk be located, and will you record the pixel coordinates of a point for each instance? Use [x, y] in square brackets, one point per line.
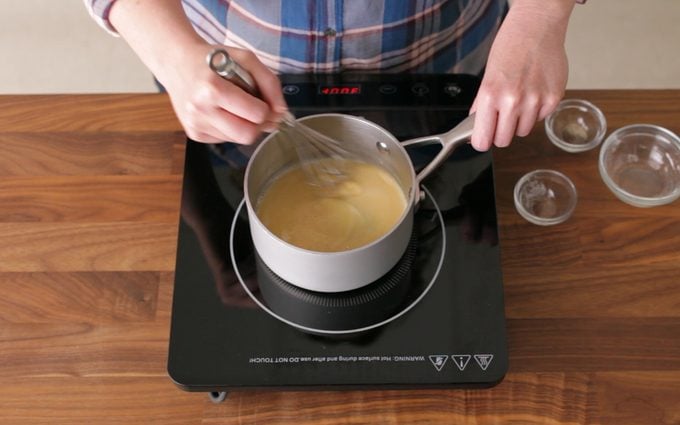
[321, 157]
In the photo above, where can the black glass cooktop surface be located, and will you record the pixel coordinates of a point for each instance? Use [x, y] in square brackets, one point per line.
[435, 320]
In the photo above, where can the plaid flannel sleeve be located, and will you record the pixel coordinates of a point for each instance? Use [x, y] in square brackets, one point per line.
[99, 10]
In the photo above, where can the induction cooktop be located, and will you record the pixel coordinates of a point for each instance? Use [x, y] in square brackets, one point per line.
[436, 320]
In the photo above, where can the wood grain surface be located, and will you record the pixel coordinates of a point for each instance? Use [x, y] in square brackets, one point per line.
[89, 206]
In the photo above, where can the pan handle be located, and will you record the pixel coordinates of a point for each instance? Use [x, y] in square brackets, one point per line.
[450, 140]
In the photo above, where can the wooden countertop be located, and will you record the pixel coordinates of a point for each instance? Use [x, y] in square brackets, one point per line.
[89, 206]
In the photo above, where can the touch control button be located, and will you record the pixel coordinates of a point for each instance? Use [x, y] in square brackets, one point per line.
[420, 89]
[387, 89]
[452, 89]
[291, 89]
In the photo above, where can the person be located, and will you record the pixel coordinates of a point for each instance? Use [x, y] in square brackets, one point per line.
[519, 49]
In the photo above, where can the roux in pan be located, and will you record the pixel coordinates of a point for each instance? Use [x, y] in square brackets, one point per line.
[364, 205]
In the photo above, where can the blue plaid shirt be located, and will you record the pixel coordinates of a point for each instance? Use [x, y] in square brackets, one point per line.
[317, 36]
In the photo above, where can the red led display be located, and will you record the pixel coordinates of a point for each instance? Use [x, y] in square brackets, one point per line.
[343, 89]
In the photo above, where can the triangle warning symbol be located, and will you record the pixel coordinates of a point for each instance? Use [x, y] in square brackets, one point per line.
[438, 361]
[461, 360]
[483, 360]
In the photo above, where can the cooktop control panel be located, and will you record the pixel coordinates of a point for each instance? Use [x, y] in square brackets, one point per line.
[358, 91]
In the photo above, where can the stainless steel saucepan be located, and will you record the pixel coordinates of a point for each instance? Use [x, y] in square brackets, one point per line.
[352, 269]
[345, 270]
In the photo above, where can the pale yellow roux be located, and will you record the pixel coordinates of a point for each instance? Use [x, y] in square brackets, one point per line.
[360, 208]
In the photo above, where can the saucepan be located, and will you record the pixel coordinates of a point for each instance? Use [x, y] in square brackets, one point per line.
[342, 270]
[352, 269]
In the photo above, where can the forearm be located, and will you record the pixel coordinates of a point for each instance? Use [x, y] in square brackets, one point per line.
[157, 30]
[543, 16]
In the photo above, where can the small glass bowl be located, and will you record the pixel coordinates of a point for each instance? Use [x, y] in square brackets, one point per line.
[640, 164]
[545, 197]
[576, 126]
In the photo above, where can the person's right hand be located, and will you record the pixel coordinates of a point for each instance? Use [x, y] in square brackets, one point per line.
[209, 108]
[212, 109]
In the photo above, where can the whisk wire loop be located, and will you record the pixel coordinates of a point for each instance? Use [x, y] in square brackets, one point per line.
[321, 157]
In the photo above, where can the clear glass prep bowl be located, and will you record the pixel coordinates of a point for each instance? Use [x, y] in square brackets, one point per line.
[576, 125]
[640, 164]
[545, 197]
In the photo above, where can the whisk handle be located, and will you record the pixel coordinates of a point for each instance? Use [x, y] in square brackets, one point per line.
[226, 67]
[450, 140]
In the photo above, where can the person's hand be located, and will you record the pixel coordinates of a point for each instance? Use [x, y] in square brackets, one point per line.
[209, 108]
[526, 72]
[212, 109]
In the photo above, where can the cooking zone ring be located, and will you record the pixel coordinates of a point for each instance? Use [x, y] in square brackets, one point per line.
[349, 331]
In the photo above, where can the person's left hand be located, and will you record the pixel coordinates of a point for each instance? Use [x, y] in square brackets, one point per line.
[526, 72]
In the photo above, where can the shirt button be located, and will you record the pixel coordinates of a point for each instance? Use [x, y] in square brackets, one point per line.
[330, 32]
